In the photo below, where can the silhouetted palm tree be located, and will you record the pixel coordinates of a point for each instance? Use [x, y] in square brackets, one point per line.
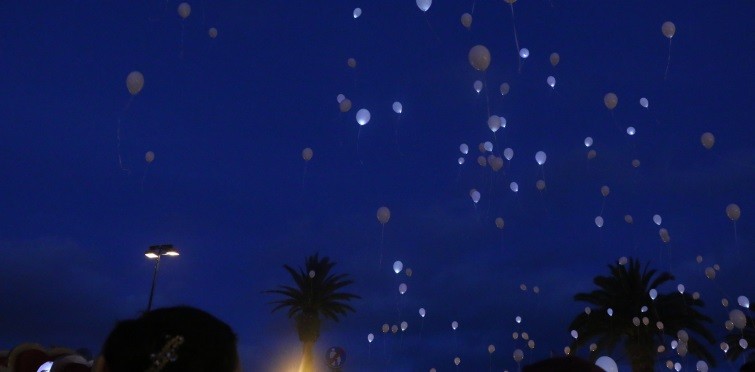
[317, 292]
[626, 292]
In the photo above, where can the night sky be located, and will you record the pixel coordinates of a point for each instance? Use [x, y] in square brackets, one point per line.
[227, 119]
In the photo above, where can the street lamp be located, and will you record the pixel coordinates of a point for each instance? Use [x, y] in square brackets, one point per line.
[155, 252]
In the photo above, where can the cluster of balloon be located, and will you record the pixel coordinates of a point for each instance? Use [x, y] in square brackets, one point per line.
[669, 29]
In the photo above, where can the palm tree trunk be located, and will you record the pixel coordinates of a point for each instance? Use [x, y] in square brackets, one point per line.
[642, 357]
[307, 357]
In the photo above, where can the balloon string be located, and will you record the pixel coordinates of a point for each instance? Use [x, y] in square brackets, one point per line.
[382, 234]
[602, 206]
[359, 134]
[473, 5]
[304, 177]
[183, 27]
[668, 63]
[427, 19]
[118, 135]
[398, 125]
[145, 175]
[516, 38]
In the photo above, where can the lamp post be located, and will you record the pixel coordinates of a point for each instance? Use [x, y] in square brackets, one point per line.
[155, 252]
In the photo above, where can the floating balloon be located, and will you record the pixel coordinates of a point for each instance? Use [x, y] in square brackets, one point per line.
[357, 12]
[599, 221]
[710, 273]
[311, 274]
[482, 161]
[213, 32]
[663, 233]
[636, 163]
[496, 163]
[540, 185]
[370, 337]
[610, 100]
[499, 223]
[340, 98]
[669, 29]
[508, 153]
[701, 366]
[518, 353]
[398, 107]
[644, 102]
[657, 219]
[524, 53]
[551, 81]
[383, 215]
[708, 140]
[682, 335]
[631, 131]
[743, 343]
[733, 212]
[363, 116]
[402, 288]
[653, 294]
[466, 20]
[518, 318]
[488, 146]
[306, 154]
[344, 105]
[743, 301]
[408, 272]
[477, 86]
[454, 325]
[725, 302]
[738, 318]
[609, 312]
[540, 157]
[457, 361]
[475, 195]
[494, 123]
[491, 349]
[424, 5]
[591, 154]
[394, 329]
[134, 82]
[574, 334]
[464, 148]
[404, 326]
[605, 190]
[460, 160]
[607, 363]
[628, 219]
[505, 89]
[398, 266]
[184, 9]
[514, 187]
[588, 141]
[351, 62]
[481, 147]
[554, 58]
[385, 328]
[149, 157]
[422, 312]
[622, 260]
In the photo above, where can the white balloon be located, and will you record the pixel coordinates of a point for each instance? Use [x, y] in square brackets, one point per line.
[680, 288]
[540, 157]
[524, 53]
[461, 160]
[398, 266]
[370, 337]
[488, 146]
[701, 366]
[357, 12]
[422, 312]
[518, 319]
[494, 123]
[477, 86]
[588, 141]
[475, 196]
[363, 116]
[631, 131]
[551, 81]
[610, 311]
[607, 363]
[574, 334]
[402, 288]
[404, 326]
[508, 153]
[599, 221]
[340, 98]
[657, 219]
[743, 343]
[514, 187]
[464, 148]
[644, 102]
[398, 107]
[424, 5]
[653, 294]
[311, 274]
[454, 325]
[743, 301]
[644, 309]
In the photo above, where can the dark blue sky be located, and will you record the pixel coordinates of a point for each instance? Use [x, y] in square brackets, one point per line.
[227, 119]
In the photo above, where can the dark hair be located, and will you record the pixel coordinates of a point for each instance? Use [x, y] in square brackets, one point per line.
[208, 343]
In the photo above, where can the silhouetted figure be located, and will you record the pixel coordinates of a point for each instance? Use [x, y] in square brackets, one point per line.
[179, 338]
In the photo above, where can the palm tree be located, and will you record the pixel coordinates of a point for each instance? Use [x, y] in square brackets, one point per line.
[625, 294]
[317, 293]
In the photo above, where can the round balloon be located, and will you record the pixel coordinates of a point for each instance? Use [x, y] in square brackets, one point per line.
[344, 105]
[479, 57]
[213, 32]
[357, 12]
[466, 20]
[669, 29]
[540, 157]
[610, 100]
[555, 58]
[351, 62]
[708, 140]
[363, 116]
[306, 154]
[397, 107]
[184, 9]
[505, 87]
[149, 157]
[134, 82]
[733, 212]
[424, 5]
[384, 215]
